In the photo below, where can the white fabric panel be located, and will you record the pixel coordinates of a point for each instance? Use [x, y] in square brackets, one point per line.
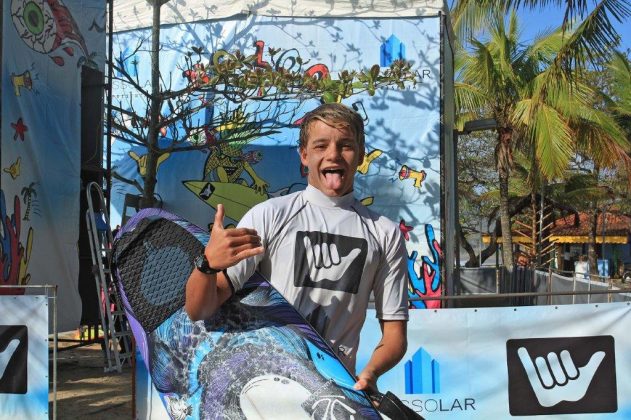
[474, 363]
[41, 142]
[135, 14]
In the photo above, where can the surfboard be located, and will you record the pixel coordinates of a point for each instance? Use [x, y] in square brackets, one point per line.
[256, 358]
[237, 199]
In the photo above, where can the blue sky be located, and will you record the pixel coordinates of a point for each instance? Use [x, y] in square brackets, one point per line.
[537, 20]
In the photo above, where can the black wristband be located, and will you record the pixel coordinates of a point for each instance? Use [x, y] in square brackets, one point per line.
[201, 263]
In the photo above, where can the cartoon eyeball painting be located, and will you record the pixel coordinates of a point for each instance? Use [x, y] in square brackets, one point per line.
[47, 25]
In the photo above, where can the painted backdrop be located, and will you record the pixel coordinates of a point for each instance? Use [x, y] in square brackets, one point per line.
[400, 177]
[44, 45]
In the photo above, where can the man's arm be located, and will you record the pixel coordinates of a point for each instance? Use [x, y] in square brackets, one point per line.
[388, 353]
[206, 292]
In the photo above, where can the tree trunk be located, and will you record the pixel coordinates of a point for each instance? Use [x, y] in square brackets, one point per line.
[504, 164]
[534, 255]
[591, 240]
[473, 259]
[151, 163]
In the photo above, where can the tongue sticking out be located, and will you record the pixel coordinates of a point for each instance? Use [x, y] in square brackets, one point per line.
[333, 180]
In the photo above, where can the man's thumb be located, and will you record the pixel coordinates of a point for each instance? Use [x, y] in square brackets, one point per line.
[219, 217]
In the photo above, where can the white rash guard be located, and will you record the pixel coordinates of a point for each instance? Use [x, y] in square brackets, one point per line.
[326, 255]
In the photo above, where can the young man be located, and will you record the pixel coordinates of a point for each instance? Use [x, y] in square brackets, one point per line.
[321, 248]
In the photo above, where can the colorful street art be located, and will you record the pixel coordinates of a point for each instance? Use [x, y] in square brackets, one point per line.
[428, 282]
[21, 81]
[47, 27]
[45, 45]
[14, 169]
[14, 254]
[20, 129]
[238, 144]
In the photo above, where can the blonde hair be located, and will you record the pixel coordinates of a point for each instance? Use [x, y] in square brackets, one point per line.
[336, 115]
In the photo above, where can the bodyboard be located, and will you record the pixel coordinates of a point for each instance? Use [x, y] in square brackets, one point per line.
[257, 357]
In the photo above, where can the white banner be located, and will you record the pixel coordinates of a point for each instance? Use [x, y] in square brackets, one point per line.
[24, 357]
[44, 47]
[567, 361]
[136, 14]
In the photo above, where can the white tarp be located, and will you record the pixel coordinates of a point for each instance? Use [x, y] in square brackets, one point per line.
[44, 47]
[135, 14]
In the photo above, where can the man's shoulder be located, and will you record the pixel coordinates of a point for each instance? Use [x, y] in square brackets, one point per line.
[380, 220]
[276, 205]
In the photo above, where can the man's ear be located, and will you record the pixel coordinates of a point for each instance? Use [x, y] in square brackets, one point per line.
[303, 155]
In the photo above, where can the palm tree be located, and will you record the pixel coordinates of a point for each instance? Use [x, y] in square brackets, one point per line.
[593, 37]
[535, 106]
[27, 196]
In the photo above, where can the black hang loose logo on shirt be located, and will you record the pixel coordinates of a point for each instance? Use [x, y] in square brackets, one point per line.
[329, 261]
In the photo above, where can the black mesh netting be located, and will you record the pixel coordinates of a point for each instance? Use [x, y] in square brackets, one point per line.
[153, 267]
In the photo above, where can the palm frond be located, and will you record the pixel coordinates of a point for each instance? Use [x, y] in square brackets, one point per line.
[552, 140]
[469, 98]
[594, 37]
[468, 16]
[619, 69]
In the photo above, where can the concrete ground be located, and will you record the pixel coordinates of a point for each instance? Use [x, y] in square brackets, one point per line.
[85, 391]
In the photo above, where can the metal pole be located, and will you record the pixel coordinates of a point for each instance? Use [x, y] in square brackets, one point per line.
[603, 244]
[110, 75]
[55, 343]
[516, 295]
[543, 203]
[549, 289]
[480, 243]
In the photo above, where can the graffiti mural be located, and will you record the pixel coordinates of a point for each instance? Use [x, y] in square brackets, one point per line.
[428, 282]
[14, 254]
[47, 27]
[45, 44]
[231, 136]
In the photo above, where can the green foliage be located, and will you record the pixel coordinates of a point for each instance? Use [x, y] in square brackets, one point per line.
[545, 106]
[593, 35]
[251, 99]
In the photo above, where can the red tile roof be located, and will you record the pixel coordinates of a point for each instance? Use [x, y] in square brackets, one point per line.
[615, 225]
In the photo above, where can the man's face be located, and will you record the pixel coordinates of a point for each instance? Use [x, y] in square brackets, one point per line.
[332, 156]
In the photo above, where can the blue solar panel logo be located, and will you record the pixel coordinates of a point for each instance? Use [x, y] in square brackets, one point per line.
[392, 49]
[422, 374]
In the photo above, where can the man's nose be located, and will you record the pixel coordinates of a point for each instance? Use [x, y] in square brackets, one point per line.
[333, 151]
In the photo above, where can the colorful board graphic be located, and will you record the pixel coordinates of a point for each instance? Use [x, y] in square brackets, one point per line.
[256, 358]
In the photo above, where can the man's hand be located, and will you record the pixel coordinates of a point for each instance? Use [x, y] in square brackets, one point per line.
[388, 352]
[205, 293]
[227, 247]
[366, 381]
